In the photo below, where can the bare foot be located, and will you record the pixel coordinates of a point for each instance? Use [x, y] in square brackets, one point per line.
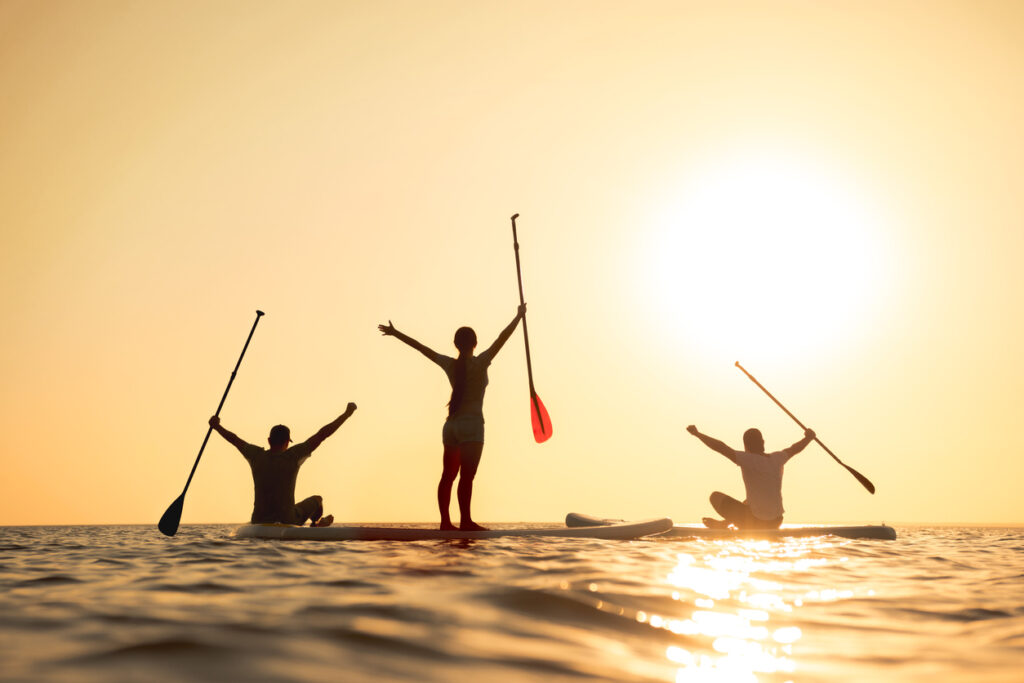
[715, 523]
[471, 526]
[324, 521]
[448, 526]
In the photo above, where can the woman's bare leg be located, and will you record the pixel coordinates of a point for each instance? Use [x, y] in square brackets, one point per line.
[471, 453]
[451, 462]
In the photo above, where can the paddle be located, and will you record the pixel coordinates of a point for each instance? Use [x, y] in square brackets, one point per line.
[168, 524]
[538, 413]
[860, 477]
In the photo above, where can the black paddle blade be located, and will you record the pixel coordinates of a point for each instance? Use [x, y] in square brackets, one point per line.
[861, 478]
[168, 524]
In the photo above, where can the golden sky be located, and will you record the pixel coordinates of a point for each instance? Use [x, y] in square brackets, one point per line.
[830, 193]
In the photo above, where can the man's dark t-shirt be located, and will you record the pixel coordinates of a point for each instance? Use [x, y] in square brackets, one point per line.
[273, 477]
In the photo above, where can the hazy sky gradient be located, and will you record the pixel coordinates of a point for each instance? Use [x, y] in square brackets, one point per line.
[830, 193]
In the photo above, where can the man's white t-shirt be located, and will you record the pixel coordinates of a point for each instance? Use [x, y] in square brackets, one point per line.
[762, 477]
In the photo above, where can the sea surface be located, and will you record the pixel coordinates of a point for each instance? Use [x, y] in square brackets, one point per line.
[124, 603]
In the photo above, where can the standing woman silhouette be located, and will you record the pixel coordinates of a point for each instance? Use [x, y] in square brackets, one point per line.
[463, 432]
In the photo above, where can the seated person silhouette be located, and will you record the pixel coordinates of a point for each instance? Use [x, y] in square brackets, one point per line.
[275, 469]
[762, 478]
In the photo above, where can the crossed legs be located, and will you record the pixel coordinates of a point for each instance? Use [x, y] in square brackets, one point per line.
[311, 508]
[738, 514]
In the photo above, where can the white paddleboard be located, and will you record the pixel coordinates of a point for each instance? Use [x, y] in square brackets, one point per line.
[625, 530]
[880, 531]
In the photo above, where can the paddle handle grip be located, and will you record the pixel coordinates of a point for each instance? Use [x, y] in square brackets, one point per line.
[522, 300]
[784, 408]
[769, 394]
[259, 314]
[865, 482]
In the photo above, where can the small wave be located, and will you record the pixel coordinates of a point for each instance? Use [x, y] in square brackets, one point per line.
[168, 647]
[350, 583]
[52, 580]
[391, 644]
[1015, 640]
[13, 623]
[434, 571]
[982, 614]
[541, 666]
[398, 613]
[949, 562]
[200, 587]
[110, 561]
[580, 609]
[54, 546]
[194, 556]
[964, 615]
[131, 620]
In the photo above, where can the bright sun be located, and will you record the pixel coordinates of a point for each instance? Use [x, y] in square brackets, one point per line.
[764, 258]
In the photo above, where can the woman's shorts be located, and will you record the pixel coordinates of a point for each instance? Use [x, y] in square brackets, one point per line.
[463, 429]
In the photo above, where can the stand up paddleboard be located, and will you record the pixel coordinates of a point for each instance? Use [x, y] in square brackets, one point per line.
[881, 532]
[622, 530]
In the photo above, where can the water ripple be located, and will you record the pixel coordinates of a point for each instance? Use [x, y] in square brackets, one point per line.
[124, 603]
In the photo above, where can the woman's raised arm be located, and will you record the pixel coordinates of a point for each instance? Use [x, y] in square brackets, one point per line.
[506, 333]
[389, 330]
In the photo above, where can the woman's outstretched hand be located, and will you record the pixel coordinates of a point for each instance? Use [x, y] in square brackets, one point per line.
[387, 330]
[521, 311]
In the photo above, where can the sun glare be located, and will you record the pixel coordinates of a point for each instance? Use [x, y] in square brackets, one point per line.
[766, 256]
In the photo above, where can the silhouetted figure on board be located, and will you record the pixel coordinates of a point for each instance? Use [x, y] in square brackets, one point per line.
[275, 469]
[762, 477]
[463, 432]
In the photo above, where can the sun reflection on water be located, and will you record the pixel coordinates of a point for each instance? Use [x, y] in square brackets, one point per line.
[739, 606]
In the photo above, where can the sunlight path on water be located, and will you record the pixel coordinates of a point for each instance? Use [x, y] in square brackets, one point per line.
[739, 605]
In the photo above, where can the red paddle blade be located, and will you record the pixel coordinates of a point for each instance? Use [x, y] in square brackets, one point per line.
[540, 419]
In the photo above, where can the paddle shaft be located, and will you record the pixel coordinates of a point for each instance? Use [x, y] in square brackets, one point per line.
[526, 335]
[220, 405]
[860, 477]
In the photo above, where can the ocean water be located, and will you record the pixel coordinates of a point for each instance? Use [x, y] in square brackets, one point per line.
[124, 603]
